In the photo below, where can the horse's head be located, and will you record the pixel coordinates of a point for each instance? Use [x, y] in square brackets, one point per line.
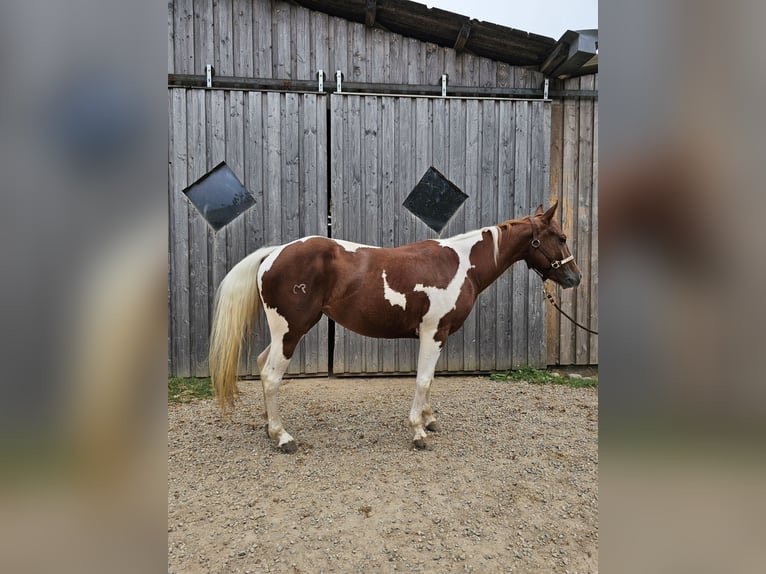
[548, 253]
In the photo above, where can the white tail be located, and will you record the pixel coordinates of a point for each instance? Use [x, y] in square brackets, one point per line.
[237, 307]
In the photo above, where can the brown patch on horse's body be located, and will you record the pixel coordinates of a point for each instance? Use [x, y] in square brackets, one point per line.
[348, 287]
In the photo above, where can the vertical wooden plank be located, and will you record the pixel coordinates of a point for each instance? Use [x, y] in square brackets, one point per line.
[521, 209]
[242, 38]
[487, 72]
[505, 138]
[568, 214]
[281, 40]
[273, 170]
[554, 194]
[503, 75]
[487, 304]
[397, 51]
[217, 152]
[357, 57]
[451, 68]
[456, 173]
[322, 209]
[416, 61]
[184, 34]
[370, 216]
[584, 209]
[320, 45]
[434, 64]
[339, 48]
[262, 27]
[303, 69]
[470, 67]
[593, 358]
[236, 161]
[406, 356]
[539, 173]
[171, 237]
[204, 50]
[180, 240]
[253, 217]
[471, 209]
[337, 185]
[171, 39]
[354, 210]
[390, 206]
[223, 11]
[198, 230]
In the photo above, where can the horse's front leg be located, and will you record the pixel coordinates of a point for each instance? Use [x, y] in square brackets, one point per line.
[421, 414]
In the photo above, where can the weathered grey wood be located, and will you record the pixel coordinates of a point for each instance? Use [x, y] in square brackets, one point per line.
[198, 232]
[281, 39]
[337, 166]
[262, 39]
[521, 206]
[223, 35]
[487, 303]
[568, 216]
[204, 51]
[538, 178]
[593, 276]
[584, 232]
[171, 38]
[172, 265]
[320, 45]
[504, 309]
[555, 183]
[242, 37]
[302, 35]
[179, 295]
[184, 36]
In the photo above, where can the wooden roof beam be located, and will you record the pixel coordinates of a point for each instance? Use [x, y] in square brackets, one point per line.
[370, 12]
[462, 36]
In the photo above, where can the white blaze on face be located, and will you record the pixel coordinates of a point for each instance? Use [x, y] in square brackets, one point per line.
[393, 297]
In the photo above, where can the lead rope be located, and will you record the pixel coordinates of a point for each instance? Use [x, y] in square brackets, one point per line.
[560, 310]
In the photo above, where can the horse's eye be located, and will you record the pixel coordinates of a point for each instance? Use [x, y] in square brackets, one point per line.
[563, 239]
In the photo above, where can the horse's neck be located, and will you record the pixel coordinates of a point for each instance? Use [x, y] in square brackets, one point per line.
[512, 242]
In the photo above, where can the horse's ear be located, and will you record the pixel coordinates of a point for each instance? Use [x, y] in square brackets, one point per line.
[548, 215]
[539, 210]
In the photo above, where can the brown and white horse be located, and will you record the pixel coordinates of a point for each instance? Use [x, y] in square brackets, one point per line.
[423, 290]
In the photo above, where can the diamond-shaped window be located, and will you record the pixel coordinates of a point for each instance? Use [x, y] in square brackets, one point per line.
[219, 196]
[435, 199]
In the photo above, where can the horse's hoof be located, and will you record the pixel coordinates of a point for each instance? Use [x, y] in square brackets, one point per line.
[434, 426]
[288, 448]
[266, 428]
[420, 444]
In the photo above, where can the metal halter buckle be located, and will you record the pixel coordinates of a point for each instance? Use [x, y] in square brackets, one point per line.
[556, 264]
[535, 243]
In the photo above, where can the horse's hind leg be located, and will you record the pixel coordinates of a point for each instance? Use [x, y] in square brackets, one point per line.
[274, 366]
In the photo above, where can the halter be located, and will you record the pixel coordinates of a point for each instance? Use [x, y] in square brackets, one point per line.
[555, 263]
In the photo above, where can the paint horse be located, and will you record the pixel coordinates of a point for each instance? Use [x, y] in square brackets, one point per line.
[423, 290]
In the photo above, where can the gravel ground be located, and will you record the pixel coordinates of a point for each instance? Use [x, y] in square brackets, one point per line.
[509, 485]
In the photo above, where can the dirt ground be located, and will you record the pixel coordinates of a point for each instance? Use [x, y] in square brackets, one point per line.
[509, 485]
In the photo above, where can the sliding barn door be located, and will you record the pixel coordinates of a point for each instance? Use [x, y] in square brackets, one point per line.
[497, 152]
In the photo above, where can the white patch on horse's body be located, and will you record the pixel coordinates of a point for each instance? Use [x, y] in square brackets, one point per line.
[392, 296]
[442, 301]
[352, 247]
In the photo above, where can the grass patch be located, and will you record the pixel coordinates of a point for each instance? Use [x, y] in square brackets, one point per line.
[539, 376]
[184, 390]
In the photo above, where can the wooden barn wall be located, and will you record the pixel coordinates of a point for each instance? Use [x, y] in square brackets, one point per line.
[574, 182]
[275, 39]
[276, 145]
[497, 152]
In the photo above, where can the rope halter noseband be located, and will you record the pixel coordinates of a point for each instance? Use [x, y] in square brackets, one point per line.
[555, 263]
